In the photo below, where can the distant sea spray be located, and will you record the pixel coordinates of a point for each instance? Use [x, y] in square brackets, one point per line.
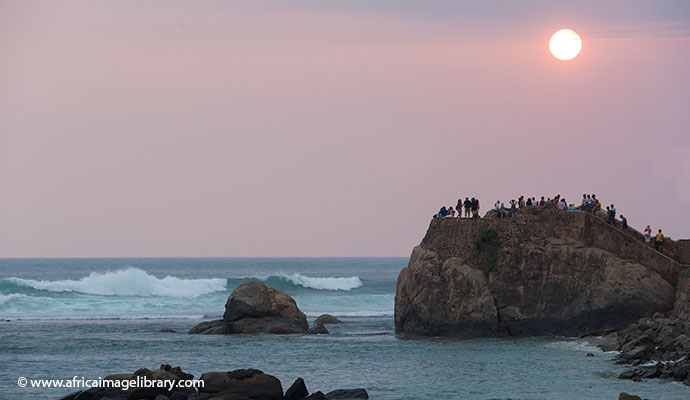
[136, 282]
[132, 293]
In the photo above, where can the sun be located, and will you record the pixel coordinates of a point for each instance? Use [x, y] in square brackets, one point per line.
[565, 44]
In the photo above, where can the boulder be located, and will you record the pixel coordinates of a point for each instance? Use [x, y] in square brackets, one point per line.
[325, 319]
[254, 307]
[297, 391]
[316, 396]
[609, 342]
[625, 396]
[167, 330]
[179, 396]
[242, 382]
[318, 329]
[542, 272]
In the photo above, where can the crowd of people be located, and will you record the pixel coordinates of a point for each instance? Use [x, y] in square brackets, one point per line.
[469, 208]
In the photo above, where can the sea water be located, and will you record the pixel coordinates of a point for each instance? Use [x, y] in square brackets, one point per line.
[93, 317]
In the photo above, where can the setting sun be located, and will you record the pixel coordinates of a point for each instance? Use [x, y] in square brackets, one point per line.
[565, 44]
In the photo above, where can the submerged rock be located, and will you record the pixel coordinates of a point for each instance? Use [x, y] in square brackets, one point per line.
[254, 307]
[325, 319]
[347, 394]
[318, 329]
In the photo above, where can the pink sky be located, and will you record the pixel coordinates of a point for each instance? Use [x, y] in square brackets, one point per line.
[164, 128]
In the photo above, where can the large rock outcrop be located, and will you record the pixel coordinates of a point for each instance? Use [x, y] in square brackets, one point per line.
[254, 307]
[541, 272]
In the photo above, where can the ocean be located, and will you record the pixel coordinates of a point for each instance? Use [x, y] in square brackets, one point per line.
[92, 317]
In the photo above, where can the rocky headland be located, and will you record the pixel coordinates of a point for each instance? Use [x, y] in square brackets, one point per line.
[541, 272]
[241, 384]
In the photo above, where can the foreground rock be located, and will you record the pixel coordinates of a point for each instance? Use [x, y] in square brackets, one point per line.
[164, 373]
[541, 272]
[254, 307]
[657, 347]
[241, 384]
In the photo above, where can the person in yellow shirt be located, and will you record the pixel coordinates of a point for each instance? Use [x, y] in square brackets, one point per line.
[658, 240]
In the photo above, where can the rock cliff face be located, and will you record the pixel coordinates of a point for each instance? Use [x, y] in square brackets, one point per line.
[548, 272]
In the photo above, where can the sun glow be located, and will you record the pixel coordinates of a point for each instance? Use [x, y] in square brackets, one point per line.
[565, 44]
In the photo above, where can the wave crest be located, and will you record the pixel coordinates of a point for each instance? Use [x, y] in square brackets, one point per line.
[128, 282]
[317, 283]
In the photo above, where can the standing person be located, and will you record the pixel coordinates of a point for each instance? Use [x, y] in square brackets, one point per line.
[608, 213]
[624, 221]
[497, 207]
[658, 241]
[475, 207]
[522, 201]
[529, 202]
[513, 207]
[542, 202]
[468, 206]
[613, 215]
[647, 234]
[458, 207]
[549, 203]
[596, 205]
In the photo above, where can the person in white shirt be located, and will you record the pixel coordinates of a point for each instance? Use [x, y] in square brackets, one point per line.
[562, 205]
[647, 234]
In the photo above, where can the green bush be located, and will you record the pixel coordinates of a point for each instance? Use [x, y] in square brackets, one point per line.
[685, 272]
[486, 246]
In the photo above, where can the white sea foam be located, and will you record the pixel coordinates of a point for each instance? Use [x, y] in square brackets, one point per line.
[324, 283]
[4, 298]
[129, 282]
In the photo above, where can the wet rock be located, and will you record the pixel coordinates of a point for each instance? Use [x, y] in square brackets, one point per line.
[629, 374]
[243, 382]
[625, 396]
[298, 390]
[347, 394]
[325, 319]
[210, 328]
[679, 373]
[167, 330]
[318, 329]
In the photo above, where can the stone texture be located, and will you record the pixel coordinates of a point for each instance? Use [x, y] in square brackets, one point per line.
[298, 390]
[326, 319]
[557, 272]
[254, 307]
[318, 330]
[243, 382]
[681, 307]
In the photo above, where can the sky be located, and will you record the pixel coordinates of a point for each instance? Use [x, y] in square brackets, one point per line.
[314, 128]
